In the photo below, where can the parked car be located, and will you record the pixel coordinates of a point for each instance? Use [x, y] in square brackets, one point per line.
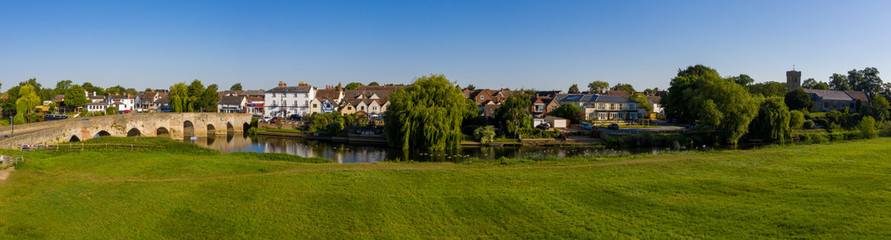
[257, 116]
[544, 125]
[614, 126]
[265, 119]
[295, 117]
[275, 120]
[585, 126]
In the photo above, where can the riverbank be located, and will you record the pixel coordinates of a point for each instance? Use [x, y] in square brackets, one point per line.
[835, 190]
[381, 140]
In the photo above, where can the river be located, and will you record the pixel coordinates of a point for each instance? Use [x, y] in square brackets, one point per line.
[368, 153]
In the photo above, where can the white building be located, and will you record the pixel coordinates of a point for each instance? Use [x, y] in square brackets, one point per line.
[123, 102]
[96, 106]
[284, 101]
[232, 104]
[603, 107]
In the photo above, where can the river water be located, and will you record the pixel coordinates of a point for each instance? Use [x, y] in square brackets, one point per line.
[366, 153]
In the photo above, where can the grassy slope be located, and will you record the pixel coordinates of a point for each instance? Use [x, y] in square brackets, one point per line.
[841, 190]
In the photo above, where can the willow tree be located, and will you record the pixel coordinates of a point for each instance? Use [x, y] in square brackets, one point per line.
[26, 102]
[426, 115]
[179, 97]
[772, 121]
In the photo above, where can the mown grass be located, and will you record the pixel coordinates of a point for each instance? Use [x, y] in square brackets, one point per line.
[838, 190]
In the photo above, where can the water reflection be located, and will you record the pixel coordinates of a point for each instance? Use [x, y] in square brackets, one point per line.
[367, 153]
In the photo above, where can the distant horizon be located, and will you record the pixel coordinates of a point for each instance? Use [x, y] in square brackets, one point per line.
[519, 44]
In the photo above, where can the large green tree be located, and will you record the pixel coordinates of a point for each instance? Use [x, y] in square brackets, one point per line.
[513, 115]
[62, 86]
[196, 90]
[598, 86]
[698, 94]
[209, 98]
[772, 122]
[799, 100]
[768, 89]
[74, 97]
[236, 87]
[839, 82]
[574, 88]
[352, 86]
[880, 108]
[179, 97]
[26, 102]
[427, 115]
[810, 83]
[623, 87]
[743, 80]
[569, 111]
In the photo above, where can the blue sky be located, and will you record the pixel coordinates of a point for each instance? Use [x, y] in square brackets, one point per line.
[529, 44]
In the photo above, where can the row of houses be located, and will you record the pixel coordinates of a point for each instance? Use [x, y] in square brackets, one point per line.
[304, 100]
[609, 106]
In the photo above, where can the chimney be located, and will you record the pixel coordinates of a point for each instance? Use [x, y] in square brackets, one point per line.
[282, 84]
[302, 84]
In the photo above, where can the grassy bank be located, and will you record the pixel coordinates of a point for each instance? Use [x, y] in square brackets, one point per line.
[837, 190]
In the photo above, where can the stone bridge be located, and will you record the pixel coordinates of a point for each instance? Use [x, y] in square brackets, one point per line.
[174, 125]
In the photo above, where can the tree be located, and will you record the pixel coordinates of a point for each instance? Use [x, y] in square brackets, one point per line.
[867, 127]
[235, 87]
[569, 111]
[484, 134]
[374, 84]
[209, 98]
[866, 80]
[179, 97]
[352, 86]
[514, 113]
[743, 80]
[880, 108]
[698, 94]
[75, 97]
[90, 88]
[426, 115]
[768, 89]
[772, 122]
[196, 90]
[598, 86]
[623, 87]
[796, 119]
[810, 83]
[470, 87]
[642, 101]
[838, 82]
[111, 110]
[26, 102]
[799, 100]
[62, 86]
[574, 88]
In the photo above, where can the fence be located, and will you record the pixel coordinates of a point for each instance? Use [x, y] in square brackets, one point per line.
[77, 147]
[11, 160]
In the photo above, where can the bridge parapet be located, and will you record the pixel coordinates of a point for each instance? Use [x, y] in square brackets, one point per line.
[174, 125]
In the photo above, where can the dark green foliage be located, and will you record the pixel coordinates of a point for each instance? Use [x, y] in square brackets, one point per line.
[880, 108]
[484, 134]
[839, 82]
[743, 80]
[598, 86]
[74, 97]
[537, 133]
[513, 115]
[574, 88]
[352, 86]
[772, 122]
[470, 87]
[623, 87]
[193, 97]
[796, 119]
[867, 127]
[799, 100]
[808, 124]
[569, 111]
[374, 84]
[698, 94]
[427, 115]
[236, 87]
[768, 89]
[642, 101]
[810, 83]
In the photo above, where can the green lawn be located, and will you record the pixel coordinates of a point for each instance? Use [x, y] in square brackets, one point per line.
[838, 190]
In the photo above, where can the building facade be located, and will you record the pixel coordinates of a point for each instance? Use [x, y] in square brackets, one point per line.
[603, 107]
[284, 101]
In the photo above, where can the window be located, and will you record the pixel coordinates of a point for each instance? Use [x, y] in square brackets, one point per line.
[349, 108]
[481, 98]
[362, 108]
[314, 105]
[295, 102]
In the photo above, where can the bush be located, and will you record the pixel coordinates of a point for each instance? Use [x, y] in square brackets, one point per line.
[867, 127]
[797, 119]
[484, 134]
[808, 124]
[538, 133]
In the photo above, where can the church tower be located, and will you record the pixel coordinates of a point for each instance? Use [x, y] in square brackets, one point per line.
[793, 80]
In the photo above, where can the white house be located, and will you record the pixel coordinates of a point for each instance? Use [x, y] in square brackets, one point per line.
[96, 106]
[603, 107]
[232, 104]
[123, 102]
[284, 101]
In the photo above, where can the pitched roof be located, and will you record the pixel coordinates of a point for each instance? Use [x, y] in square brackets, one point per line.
[231, 100]
[59, 98]
[858, 95]
[332, 94]
[254, 92]
[293, 89]
[149, 95]
[830, 94]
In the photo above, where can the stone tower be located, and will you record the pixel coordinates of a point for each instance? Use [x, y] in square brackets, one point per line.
[793, 80]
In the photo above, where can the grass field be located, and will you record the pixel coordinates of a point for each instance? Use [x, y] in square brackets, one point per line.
[838, 190]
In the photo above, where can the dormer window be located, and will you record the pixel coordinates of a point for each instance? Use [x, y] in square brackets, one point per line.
[481, 98]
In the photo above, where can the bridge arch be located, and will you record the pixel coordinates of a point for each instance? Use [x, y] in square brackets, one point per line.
[74, 139]
[134, 133]
[211, 129]
[188, 127]
[102, 133]
[162, 131]
[229, 127]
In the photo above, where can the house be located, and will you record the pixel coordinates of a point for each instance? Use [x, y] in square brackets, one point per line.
[543, 103]
[657, 106]
[96, 107]
[284, 101]
[371, 100]
[123, 102]
[255, 104]
[232, 104]
[148, 102]
[487, 100]
[828, 100]
[327, 100]
[603, 107]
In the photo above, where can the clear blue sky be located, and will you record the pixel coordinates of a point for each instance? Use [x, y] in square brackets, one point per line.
[491, 44]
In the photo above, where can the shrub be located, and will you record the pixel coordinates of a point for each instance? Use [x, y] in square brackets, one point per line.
[484, 134]
[808, 124]
[797, 119]
[867, 127]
